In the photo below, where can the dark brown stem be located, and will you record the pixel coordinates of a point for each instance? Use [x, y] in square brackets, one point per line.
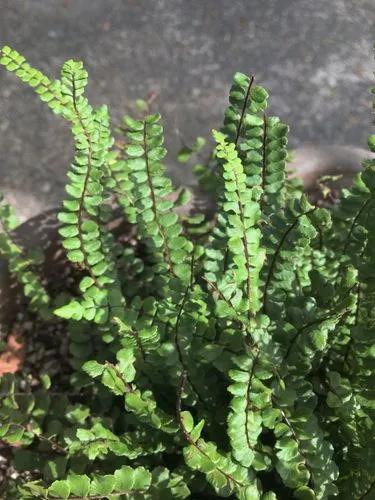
[369, 489]
[351, 340]
[295, 437]
[154, 204]
[55, 446]
[85, 183]
[243, 111]
[354, 223]
[276, 254]
[187, 436]
[178, 347]
[220, 294]
[129, 387]
[100, 497]
[264, 161]
[248, 401]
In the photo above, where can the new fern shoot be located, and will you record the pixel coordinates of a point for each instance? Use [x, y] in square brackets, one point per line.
[224, 356]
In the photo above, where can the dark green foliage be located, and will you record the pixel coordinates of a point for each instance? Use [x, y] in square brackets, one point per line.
[231, 357]
[22, 264]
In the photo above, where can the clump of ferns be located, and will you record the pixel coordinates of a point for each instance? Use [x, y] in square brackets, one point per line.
[228, 356]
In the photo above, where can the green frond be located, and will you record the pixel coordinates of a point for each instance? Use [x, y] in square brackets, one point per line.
[22, 264]
[225, 476]
[158, 225]
[124, 481]
[245, 257]
[48, 90]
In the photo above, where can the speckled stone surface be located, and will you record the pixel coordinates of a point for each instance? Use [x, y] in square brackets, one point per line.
[315, 57]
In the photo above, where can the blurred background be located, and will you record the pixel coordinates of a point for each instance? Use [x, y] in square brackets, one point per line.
[315, 58]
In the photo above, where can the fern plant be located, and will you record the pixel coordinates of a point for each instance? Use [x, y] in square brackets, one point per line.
[228, 356]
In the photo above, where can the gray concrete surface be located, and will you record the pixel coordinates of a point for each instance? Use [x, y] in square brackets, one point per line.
[315, 57]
